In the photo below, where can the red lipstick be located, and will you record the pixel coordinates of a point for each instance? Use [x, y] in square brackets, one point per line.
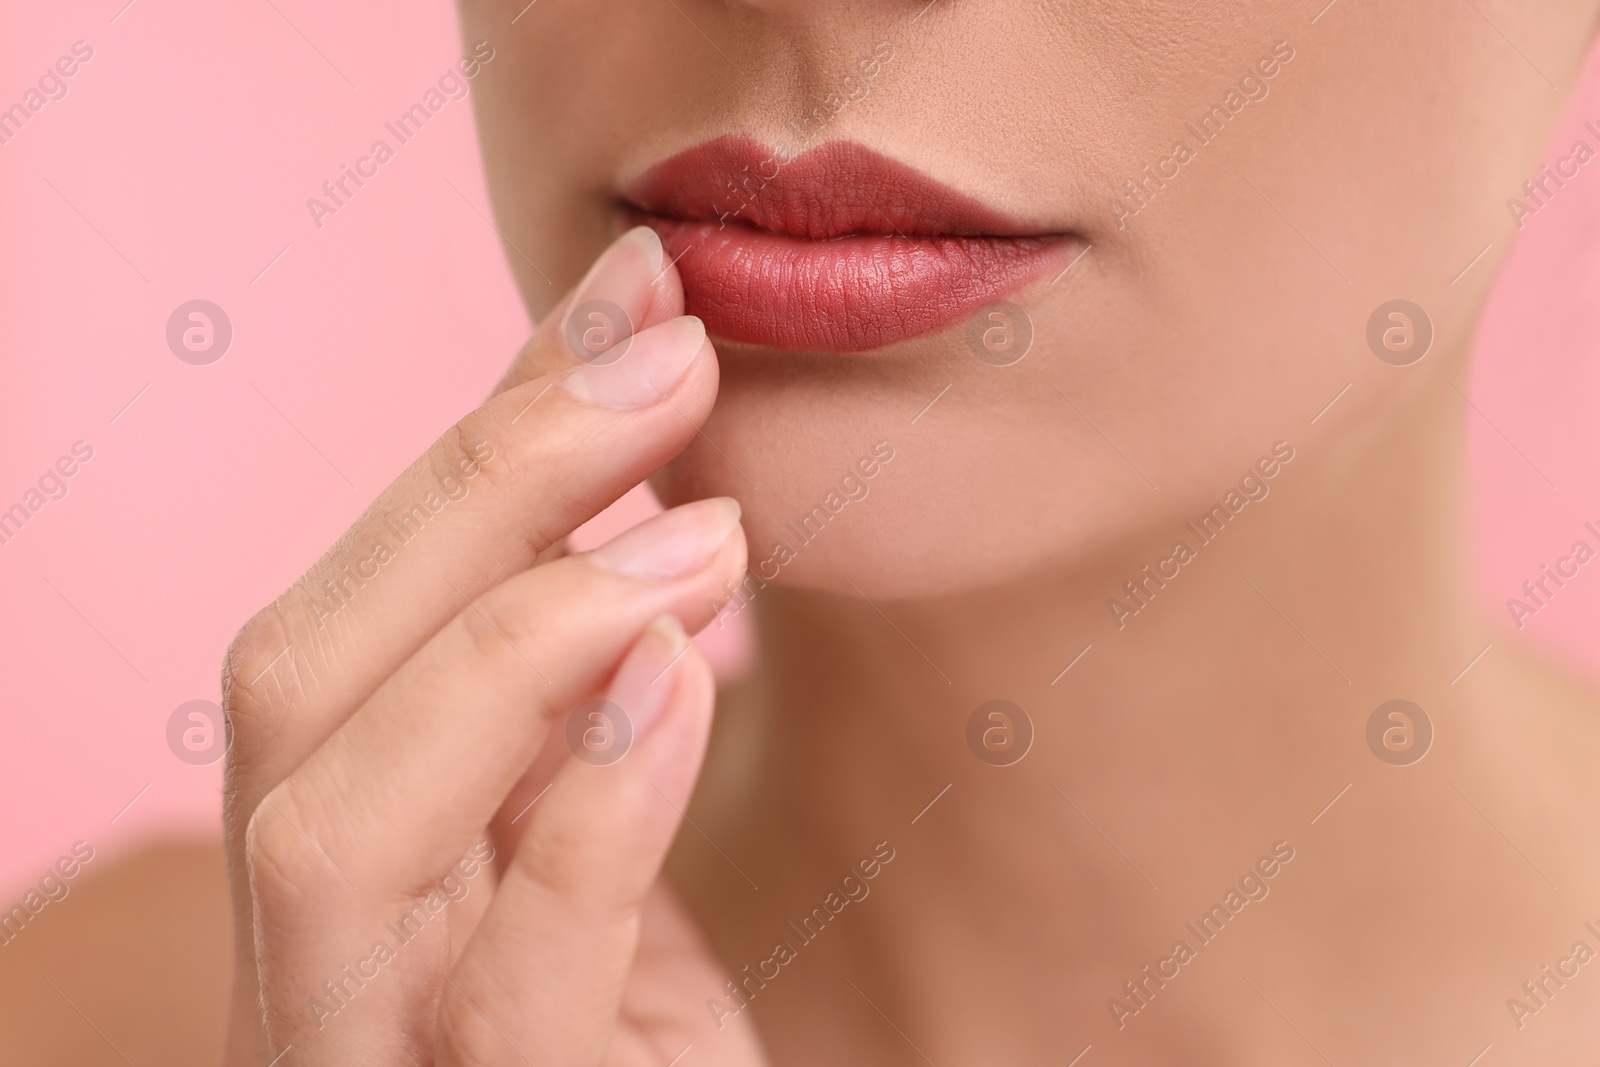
[838, 248]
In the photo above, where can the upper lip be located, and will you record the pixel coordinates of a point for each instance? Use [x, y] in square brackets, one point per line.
[836, 190]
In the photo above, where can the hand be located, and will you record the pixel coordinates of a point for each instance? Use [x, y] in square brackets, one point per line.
[399, 897]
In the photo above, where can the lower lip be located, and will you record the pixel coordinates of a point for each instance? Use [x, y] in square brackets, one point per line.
[844, 295]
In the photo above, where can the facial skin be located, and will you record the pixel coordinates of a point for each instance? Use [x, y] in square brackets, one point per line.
[1218, 319]
[1222, 317]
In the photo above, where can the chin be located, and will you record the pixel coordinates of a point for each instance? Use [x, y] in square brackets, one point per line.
[850, 483]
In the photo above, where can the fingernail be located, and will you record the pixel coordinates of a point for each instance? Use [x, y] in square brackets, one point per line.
[673, 544]
[647, 370]
[643, 683]
[612, 298]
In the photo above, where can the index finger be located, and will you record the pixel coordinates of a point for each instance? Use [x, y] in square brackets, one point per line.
[501, 486]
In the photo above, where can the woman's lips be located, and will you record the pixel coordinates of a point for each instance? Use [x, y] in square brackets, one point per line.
[838, 248]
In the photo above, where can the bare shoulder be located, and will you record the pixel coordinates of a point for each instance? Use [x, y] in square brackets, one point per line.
[1535, 677]
[132, 964]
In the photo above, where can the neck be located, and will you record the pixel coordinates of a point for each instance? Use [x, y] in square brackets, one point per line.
[1169, 754]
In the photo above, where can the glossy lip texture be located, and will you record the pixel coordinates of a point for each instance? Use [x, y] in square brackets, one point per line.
[836, 249]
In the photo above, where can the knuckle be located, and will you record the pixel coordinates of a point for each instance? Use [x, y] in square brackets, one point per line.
[528, 439]
[483, 448]
[476, 445]
[280, 862]
[503, 630]
[252, 694]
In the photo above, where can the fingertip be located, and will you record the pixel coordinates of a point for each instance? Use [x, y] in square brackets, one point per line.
[734, 558]
[666, 689]
[687, 673]
[666, 296]
[645, 681]
[696, 392]
[697, 682]
[687, 713]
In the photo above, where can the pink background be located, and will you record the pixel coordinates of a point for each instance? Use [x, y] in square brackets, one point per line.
[178, 166]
